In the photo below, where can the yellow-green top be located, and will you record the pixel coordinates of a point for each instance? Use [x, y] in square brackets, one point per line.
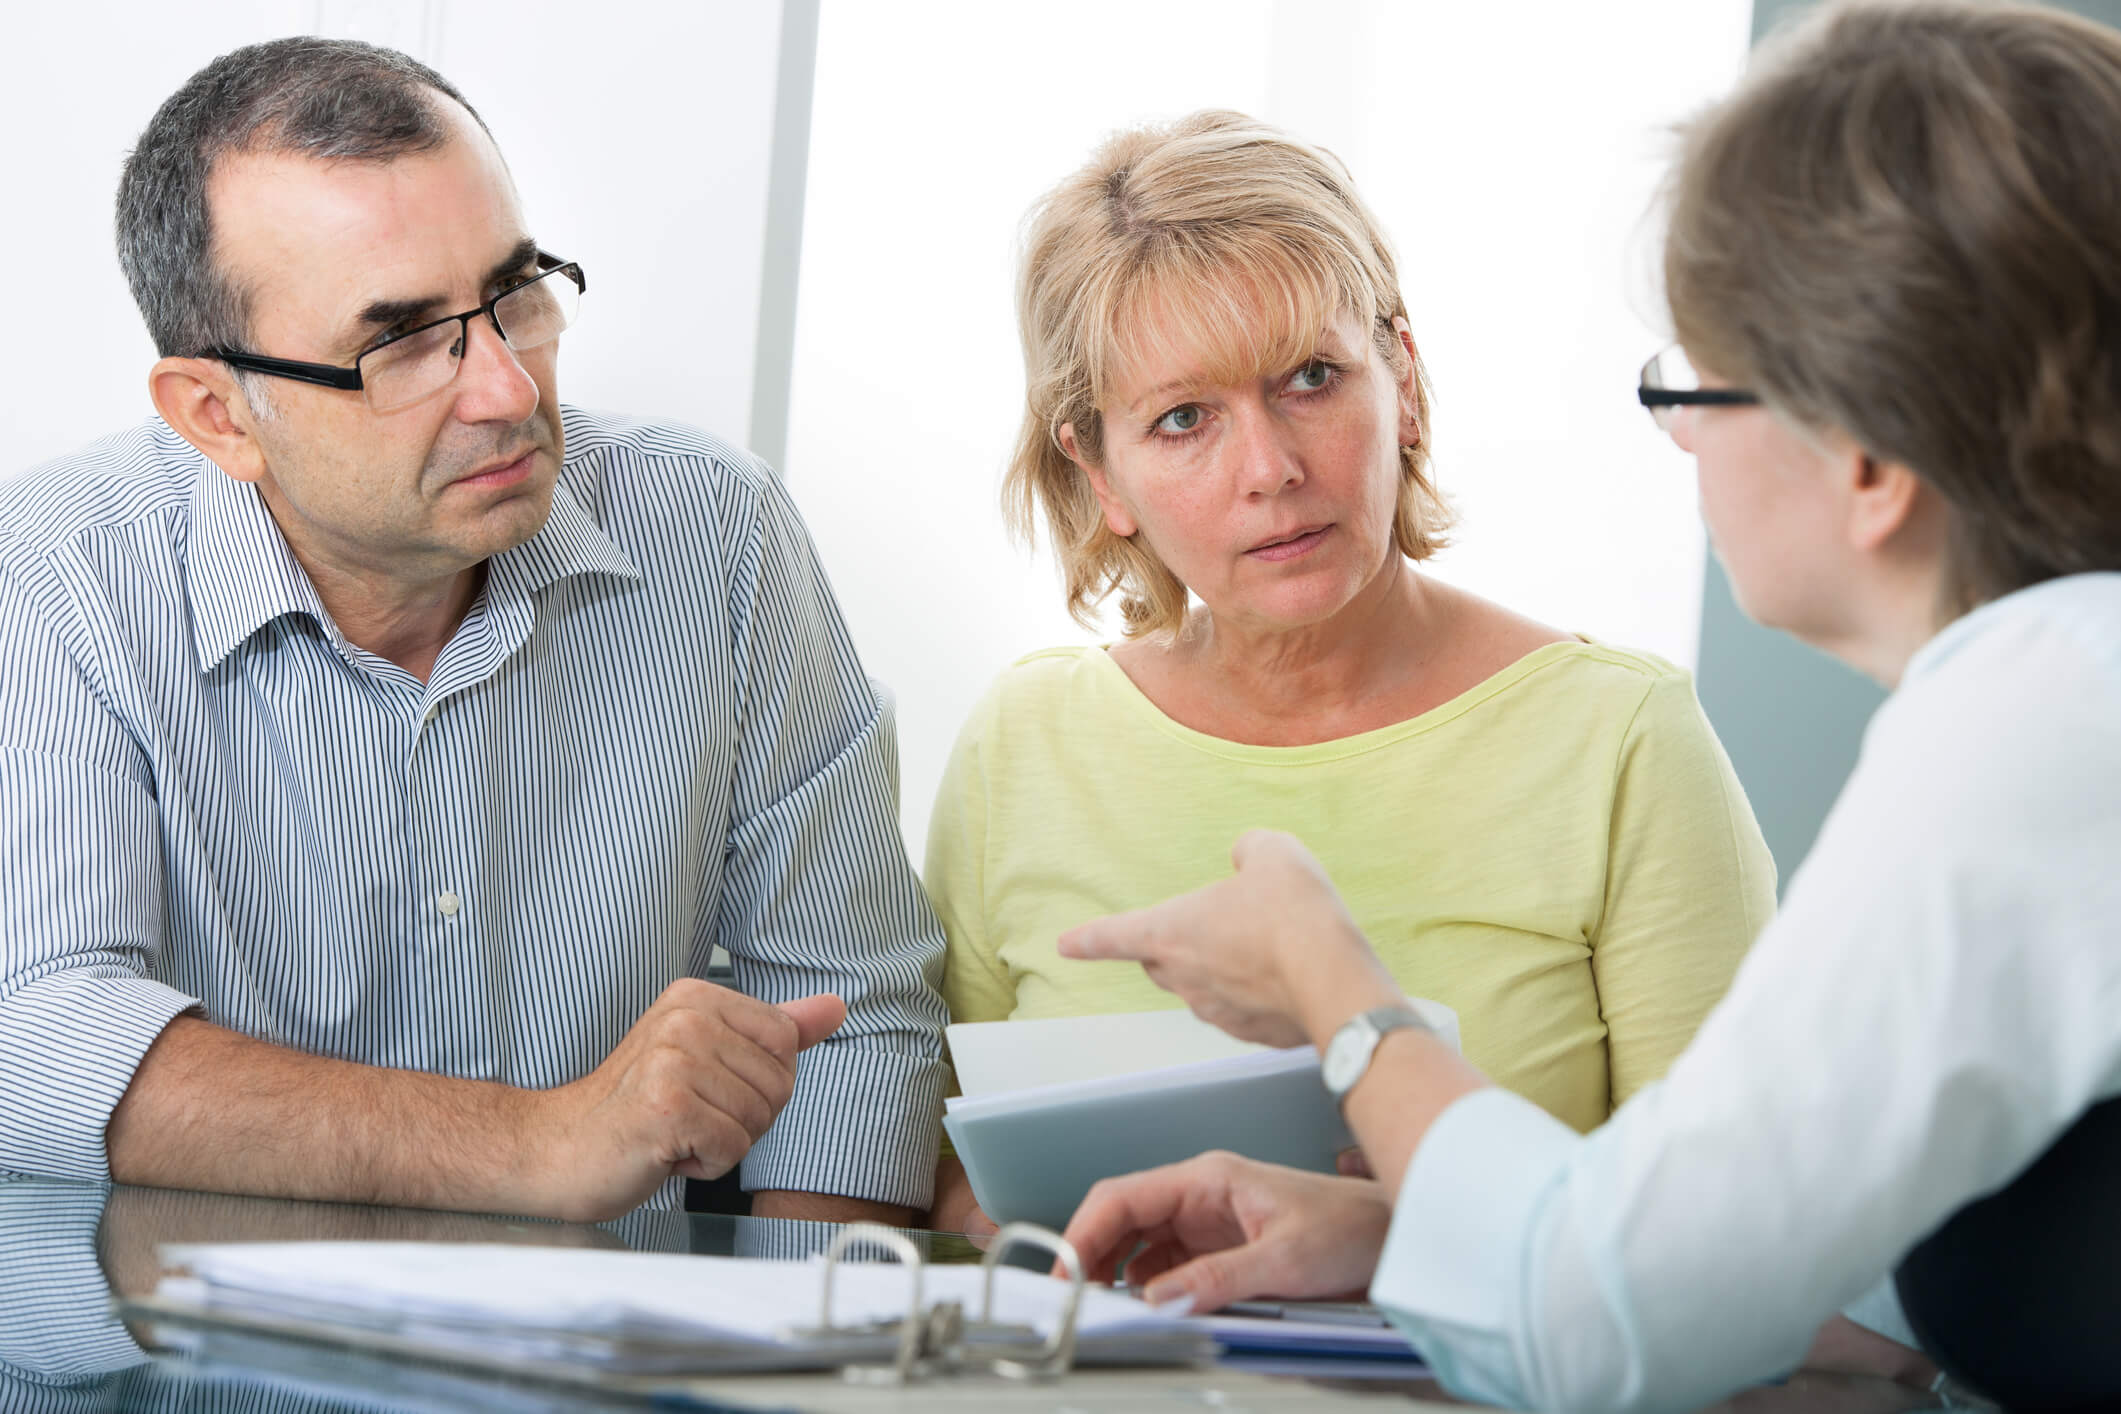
[1562, 853]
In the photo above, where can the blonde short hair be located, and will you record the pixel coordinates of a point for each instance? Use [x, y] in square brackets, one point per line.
[1249, 243]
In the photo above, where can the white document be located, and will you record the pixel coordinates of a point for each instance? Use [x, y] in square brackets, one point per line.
[1255, 1063]
[993, 1056]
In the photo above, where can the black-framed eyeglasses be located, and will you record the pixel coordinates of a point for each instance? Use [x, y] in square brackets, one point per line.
[404, 368]
[1669, 383]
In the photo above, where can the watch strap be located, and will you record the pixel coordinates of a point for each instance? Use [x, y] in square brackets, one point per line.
[1366, 1029]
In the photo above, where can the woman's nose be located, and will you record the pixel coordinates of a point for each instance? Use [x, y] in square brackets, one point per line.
[1680, 426]
[1268, 458]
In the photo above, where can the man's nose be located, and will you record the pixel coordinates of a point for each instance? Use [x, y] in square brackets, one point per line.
[492, 384]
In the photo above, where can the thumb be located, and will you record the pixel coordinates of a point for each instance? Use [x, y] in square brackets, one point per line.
[815, 1017]
[1213, 1281]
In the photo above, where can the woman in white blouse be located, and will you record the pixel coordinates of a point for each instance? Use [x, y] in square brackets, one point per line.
[1893, 256]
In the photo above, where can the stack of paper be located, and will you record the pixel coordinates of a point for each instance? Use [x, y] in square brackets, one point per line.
[1293, 1335]
[995, 1057]
[626, 1312]
[1050, 1107]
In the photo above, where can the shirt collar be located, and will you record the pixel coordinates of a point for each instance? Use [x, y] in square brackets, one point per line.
[570, 543]
[2058, 597]
[241, 574]
[238, 569]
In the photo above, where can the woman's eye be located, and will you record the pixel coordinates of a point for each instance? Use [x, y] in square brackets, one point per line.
[1179, 420]
[1312, 376]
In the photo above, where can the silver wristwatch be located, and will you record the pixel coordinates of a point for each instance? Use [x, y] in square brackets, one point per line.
[1347, 1055]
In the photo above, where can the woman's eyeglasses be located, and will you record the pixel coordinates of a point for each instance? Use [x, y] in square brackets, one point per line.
[1669, 383]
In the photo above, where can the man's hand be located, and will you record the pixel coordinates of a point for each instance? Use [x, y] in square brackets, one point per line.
[1254, 954]
[688, 1091]
[1220, 1229]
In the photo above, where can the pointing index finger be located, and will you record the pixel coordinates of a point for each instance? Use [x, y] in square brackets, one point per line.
[1119, 936]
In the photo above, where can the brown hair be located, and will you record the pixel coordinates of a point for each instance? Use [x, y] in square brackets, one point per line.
[1906, 224]
[1210, 221]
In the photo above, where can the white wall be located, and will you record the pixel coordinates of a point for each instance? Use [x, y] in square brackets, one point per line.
[1511, 151]
[638, 133]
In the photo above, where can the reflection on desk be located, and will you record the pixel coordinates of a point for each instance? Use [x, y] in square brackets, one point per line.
[67, 1248]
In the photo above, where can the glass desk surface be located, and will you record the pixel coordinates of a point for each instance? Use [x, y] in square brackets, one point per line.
[67, 1249]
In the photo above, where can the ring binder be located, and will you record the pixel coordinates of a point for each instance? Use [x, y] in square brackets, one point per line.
[646, 1323]
[1059, 1353]
[938, 1339]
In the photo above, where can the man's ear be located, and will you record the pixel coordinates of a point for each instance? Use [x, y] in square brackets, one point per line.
[1118, 519]
[201, 400]
[1884, 499]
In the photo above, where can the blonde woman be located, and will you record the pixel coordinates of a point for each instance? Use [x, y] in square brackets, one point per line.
[1226, 404]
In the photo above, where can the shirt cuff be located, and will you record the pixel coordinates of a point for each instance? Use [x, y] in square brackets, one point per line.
[1879, 1310]
[864, 1122]
[69, 1044]
[1454, 1271]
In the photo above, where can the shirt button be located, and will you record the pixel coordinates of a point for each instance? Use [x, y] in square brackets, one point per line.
[431, 712]
[449, 903]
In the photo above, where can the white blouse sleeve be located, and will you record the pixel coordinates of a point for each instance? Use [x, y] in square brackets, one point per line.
[1939, 999]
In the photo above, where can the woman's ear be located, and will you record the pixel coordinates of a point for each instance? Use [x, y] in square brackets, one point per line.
[1411, 432]
[1118, 518]
[1884, 499]
[199, 399]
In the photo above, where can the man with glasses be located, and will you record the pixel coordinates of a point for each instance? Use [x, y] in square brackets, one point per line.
[385, 751]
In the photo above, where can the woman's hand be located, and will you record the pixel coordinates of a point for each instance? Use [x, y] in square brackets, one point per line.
[1846, 1348]
[1269, 954]
[1220, 1229]
[955, 1209]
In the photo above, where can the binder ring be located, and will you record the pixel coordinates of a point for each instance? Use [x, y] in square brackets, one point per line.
[939, 1338]
[1058, 1353]
[910, 1329]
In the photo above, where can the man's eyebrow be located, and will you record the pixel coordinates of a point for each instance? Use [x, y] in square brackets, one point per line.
[520, 258]
[384, 313]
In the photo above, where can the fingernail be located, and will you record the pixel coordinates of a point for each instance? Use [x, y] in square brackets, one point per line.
[1172, 1301]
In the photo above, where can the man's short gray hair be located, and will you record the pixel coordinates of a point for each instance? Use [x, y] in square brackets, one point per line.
[331, 99]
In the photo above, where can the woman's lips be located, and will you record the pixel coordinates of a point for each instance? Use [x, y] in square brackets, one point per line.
[1292, 548]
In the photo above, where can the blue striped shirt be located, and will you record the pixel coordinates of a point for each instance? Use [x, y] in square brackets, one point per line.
[56, 1324]
[649, 736]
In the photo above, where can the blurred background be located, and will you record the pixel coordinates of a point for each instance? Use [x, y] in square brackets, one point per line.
[800, 221]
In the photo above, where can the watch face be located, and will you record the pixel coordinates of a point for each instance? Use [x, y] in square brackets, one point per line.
[1345, 1054]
